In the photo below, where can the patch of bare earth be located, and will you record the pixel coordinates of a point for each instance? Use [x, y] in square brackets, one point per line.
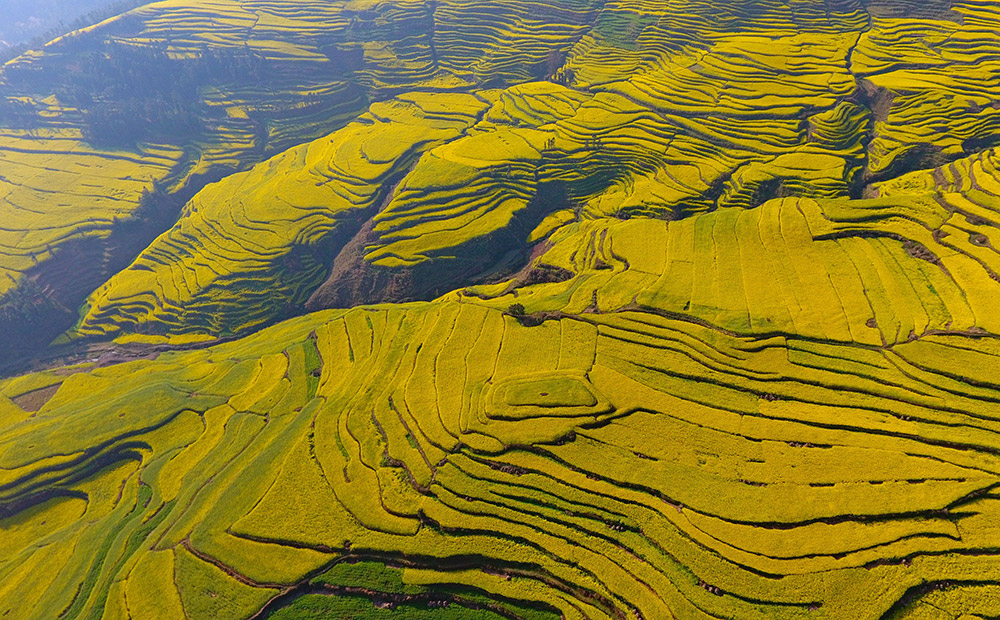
[34, 400]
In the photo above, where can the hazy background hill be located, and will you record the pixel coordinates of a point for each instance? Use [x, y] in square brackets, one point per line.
[23, 20]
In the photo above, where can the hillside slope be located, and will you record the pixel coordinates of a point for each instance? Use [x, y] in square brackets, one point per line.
[600, 465]
[491, 310]
[171, 96]
[783, 103]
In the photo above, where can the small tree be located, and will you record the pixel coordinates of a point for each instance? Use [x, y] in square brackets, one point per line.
[516, 310]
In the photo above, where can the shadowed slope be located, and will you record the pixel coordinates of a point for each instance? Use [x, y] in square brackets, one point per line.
[182, 93]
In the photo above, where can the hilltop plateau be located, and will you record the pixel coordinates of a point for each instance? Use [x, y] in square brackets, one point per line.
[493, 309]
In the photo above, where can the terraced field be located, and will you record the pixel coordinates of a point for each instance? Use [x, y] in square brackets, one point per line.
[877, 271]
[597, 465]
[290, 211]
[541, 310]
[174, 95]
[768, 103]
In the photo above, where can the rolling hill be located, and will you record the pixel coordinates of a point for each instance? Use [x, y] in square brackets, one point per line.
[553, 309]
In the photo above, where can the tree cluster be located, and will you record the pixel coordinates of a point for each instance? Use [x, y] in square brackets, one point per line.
[89, 19]
[132, 93]
[17, 113]
[157, 209]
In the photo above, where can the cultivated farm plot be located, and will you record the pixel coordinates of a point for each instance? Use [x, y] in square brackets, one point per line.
[877, 272]
[247, 247]
[173, 95]
[587, 466]
[643, 114]
[539, 310]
